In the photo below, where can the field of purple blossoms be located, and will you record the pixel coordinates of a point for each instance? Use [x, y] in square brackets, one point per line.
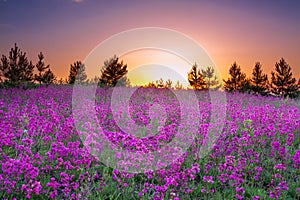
[256, 156]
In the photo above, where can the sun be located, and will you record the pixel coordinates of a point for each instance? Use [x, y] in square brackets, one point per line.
[149, 64]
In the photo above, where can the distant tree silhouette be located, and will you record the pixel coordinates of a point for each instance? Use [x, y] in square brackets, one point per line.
[178, 86]
[41, 67]
[259, 80]
[237, 79]
[168, 83]
[160, 83]
[210, 78]
[283, 83]
[1, 80]
[298, 89]
[124, 82]
[150, 85]
[246, 86]
[60, 81]
[16, 68]
[94, 80]
[196, 79]
[77, 73]
[45, 75]
[48, 77]
[112, 72]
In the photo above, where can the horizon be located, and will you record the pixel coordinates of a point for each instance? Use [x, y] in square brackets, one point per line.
[241, 32]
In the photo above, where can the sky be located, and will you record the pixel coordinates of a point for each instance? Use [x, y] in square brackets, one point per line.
[230, 31]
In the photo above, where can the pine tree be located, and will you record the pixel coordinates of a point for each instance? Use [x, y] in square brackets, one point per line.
[112, 72]
[168, 83]
[60, 81]
[196, 79]
[48, 77]
[124, 82]
[77, 73]
[259, 80]
[41, 67]
[16, 68]
[237, 79]
[210, 78]
[94, 80]
[150, 85]
[246, 86]
[283, 82]
[160, 83]
[178, 86]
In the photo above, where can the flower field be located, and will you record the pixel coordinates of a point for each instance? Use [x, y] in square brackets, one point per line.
[43, 156]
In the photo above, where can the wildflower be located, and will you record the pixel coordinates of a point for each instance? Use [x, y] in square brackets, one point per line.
[208, 179]
[275, 145]
[290, 139]
[280, 167]
[240, 190]
[239, 197]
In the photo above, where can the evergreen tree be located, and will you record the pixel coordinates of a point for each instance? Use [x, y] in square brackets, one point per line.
[41, 67]
[168, 83]
[45, 75]
[77, 73]
[237, 79]
[112, 72]
[283, 82]
[124, 82]
[246, 86]
[259, 80]
[210, 77]
[48, 77]
[94, 80]
[150, 85]
[60, 81]
[178, 86]
[196, 79]
[16, 68]
[160, 83]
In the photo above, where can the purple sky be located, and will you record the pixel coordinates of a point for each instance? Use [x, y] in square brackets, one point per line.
[241, 31]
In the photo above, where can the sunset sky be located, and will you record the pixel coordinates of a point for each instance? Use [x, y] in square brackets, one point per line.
[232, 30]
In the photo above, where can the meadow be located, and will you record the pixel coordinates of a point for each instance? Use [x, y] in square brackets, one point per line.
[255, 156]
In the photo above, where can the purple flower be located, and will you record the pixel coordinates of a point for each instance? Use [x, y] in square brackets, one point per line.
[290, 139]
[240, 190]
[239, 196]
[275, 145]
[280, 167]
[208, 179]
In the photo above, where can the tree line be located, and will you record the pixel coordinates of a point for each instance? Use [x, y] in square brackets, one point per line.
[16, 70]
[282, 82]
